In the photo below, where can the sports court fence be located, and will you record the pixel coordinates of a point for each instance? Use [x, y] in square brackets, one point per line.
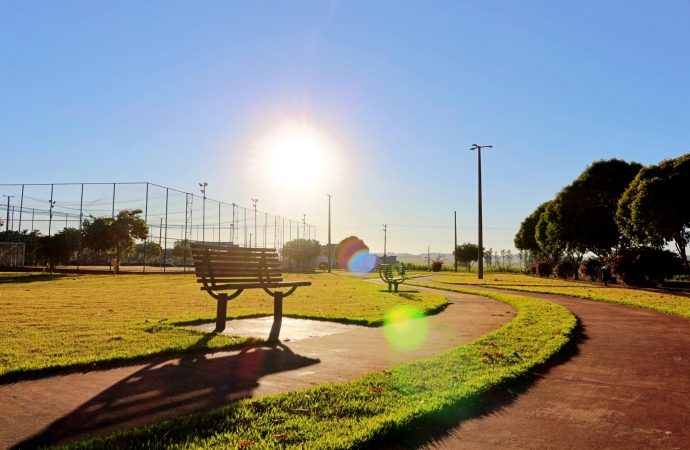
[172, 216]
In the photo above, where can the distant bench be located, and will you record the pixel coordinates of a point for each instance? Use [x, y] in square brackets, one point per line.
[230, 268]
[386, 274]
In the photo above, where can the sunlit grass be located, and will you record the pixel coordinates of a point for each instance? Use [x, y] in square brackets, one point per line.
[658, 301]
[62, 321]
[343, 416]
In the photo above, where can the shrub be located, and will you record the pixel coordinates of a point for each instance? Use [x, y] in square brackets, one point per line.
[641, 266]
[590, 268]
[544, 269]
[565, 269]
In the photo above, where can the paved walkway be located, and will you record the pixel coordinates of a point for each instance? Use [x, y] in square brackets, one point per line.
[626, 385]
[65, 408]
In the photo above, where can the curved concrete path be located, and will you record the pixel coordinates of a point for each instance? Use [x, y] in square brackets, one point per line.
[70, 407]
[626, 385]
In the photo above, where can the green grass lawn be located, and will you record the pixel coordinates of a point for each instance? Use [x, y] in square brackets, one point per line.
[659, 301]
[347, 415]
[50, 322]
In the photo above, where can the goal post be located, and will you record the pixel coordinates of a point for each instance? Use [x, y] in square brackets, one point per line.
[11, 254]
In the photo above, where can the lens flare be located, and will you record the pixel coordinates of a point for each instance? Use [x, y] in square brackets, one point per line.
[361, 262]
[353, 255]
[405, 328]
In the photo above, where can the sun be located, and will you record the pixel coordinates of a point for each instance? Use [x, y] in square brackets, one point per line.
[297, 154]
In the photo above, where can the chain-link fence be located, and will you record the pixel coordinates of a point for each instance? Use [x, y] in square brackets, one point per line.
[174, 218]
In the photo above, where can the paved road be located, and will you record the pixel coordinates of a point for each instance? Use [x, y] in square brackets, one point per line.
[65, 408]
[626, 385]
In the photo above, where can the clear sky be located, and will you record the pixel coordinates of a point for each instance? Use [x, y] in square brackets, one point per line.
[375, 103]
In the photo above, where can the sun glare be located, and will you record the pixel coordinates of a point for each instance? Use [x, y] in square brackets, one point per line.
[297, 154]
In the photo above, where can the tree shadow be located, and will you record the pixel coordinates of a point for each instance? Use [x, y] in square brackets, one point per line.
[195, 382]
[22, 279]
[425, 432]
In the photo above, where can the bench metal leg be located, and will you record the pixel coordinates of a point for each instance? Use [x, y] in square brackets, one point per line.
[396, 287]
[221, 314]
[277, 306]
[389, 286]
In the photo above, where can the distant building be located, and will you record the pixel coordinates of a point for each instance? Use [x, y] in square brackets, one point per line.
[389, 259]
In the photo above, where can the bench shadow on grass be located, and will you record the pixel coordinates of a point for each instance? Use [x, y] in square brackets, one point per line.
[431, 430]
[195, 382]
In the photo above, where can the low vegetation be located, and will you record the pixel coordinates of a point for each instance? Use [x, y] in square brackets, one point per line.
[658, 301]
[347, 415]
[51, 322]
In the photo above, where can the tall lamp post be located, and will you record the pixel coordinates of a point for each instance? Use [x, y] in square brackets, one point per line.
[255, 200]
[480, 255]
[203, 213]
[329, 233]
[51, 203]
[7, 221]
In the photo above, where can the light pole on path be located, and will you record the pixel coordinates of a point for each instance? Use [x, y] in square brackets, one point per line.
[480, 254]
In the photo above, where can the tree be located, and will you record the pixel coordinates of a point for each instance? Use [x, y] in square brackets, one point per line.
[301, 251]
[182, 249]
[149, 251]
[535, 236]
[550, 245]
[58, 249]
[347, 248]
[115, 236]
[466, 255]
[582, 216]
[488, 256]
[654, 208]
[525, 238]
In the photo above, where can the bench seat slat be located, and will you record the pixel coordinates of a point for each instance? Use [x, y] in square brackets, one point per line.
[237, 273]
[237, 263]
[214, 258]
[253, 279]
[222, 287]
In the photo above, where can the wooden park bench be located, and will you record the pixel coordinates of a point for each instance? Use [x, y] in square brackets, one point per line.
[386, 274]
[230, 268]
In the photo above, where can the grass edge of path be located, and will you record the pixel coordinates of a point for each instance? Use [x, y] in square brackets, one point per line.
[555, 291]
[351, 414]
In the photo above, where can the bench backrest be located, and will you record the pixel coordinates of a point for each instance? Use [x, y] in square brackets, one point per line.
[229, 267]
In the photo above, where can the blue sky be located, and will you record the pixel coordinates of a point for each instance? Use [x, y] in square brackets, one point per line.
[396, 92]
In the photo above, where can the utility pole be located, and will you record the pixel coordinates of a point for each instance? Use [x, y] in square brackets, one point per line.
[455, 249]
[7, 220]
[255, 200]
[329, 233]
[203, 213]
[480, 266]
[385, 235]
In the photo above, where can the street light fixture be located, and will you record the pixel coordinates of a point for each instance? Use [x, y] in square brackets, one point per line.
[480, 255]
[203, 214]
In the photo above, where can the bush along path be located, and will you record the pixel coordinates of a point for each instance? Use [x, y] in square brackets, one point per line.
[351, 414]
[625, 385]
